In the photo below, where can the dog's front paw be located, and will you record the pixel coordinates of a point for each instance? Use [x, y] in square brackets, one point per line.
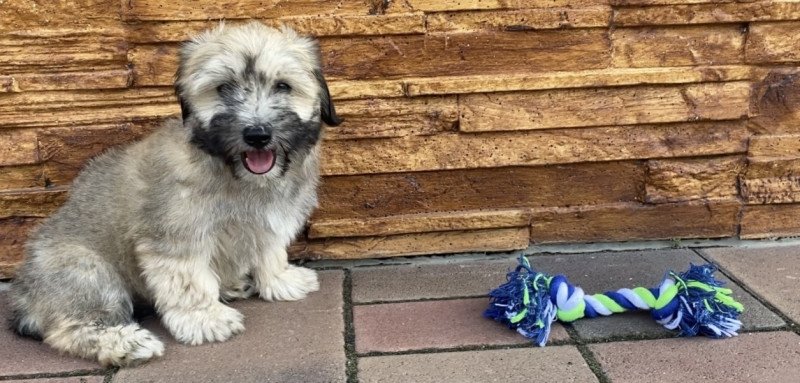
[213, 324]
[292, 284]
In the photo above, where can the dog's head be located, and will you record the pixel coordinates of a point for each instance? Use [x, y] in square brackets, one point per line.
[254, 96]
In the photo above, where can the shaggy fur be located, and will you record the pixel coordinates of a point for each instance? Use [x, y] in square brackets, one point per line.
[181, 220]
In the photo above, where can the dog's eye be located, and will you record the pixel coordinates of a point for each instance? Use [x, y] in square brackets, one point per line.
[282, 87]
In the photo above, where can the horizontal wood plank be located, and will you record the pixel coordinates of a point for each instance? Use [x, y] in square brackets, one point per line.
[773, 42]
[21, 15]
[471, 5]
[337, 25]
[44, 50]
[241, 9]
[98, 79]
[606, 106]
[692, 179]
[519, 19]
[628, 221]
[18, 147]
[22, 177]
[62, 108]
[465, 53]
[678, 46]
[775, 146]
[509, 188]
[13, 234]
[416, 244]
[578, 79]
[777, 103]
[770, 221]
[394, 117]
[419, 223]
[708, 13]
[31, 202]
[459, 151]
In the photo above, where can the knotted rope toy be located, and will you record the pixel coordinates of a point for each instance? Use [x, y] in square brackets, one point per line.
[693, 302]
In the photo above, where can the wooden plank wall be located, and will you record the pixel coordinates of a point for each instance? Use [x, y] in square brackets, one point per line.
[471, 124]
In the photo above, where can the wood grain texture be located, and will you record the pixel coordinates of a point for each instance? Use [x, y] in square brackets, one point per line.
[770, 221]
[18, 15]
[773, 172]
[465, 53]
[606, 106]
[464, 5]
[31, 202]
[18, 147]
[519, 19]
[416, 244]
[678, 46]
[459, 151]
[776, 101]
[508, 188]
[398, 117]
[22, 177]
[239, 9]
[594, 78]
[54, 109]
[692, 179]
[419, 223]
[707, 13]
[13, 234]
[630, 221]
[337, 25]
[773, 42]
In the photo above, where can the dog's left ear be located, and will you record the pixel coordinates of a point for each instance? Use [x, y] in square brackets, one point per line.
[327, 109]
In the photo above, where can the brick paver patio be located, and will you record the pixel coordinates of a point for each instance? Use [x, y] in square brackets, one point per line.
[419, 320]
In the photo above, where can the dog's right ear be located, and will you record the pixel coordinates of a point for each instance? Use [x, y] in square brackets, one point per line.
[328, 112]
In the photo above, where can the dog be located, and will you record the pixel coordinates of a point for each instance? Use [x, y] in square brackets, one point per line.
[198, 213]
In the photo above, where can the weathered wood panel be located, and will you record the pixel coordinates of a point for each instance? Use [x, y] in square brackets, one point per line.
[53, 109]
[519, 19]
[339, 25]
[606, 106]
[377, 195]
[13, 233]
[777, 103]
[770, 221]
[460, 151]
[18, 147]
[709, 13]
[395, 117]
[691, 179]
[622, 222]
[773, 42]
[242, 9]
[464, 5]
[773, 174]
[416, 244]
[677, 46]
[419, 223]
[21, 177]
[31, 203]
[595, 78]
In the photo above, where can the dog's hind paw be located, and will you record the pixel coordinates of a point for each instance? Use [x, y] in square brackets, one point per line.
[292, 284]
[216, 323]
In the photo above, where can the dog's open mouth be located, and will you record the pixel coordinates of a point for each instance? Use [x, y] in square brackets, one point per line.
[258, 161]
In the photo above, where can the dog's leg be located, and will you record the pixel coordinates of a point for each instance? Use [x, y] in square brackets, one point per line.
[277, 280]
[186, 294]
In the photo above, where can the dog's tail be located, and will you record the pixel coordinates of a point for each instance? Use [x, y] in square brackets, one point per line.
[121, 345]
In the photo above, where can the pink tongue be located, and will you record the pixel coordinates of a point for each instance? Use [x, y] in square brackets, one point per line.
[260, 162]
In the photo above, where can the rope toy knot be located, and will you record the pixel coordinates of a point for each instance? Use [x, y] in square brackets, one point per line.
[693, 302]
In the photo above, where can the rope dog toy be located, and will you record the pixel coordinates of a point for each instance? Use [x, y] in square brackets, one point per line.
[693, 302]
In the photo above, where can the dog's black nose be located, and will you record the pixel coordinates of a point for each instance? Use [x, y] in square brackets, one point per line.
[257, 136]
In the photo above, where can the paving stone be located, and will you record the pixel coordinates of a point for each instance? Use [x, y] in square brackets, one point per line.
[442, 324]
[71, 379]
[283, 342]
[773, 273]
[550, 364]
[752, 357]
[24, 356]
[600, 272]
[409, 282]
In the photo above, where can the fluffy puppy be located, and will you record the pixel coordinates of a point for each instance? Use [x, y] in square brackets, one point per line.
[198, 213]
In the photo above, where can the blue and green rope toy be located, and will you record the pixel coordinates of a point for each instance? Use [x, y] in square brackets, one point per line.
[693, 302]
